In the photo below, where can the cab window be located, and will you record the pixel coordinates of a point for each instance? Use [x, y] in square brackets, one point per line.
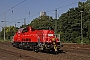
[24, 30]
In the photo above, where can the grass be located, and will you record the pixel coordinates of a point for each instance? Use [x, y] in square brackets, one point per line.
[7, 40]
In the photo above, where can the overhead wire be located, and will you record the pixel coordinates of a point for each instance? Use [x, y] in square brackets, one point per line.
[12, 7]
[61, 7]
[17, 8]
[38, 12]
[52, 9]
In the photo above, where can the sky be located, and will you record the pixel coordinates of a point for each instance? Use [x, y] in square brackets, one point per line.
[14, 11]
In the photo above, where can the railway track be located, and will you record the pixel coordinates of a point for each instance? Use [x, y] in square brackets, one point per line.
[7, 52]
[10, 55]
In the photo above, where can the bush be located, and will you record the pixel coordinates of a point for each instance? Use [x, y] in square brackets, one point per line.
[86, 40]
[77, 39]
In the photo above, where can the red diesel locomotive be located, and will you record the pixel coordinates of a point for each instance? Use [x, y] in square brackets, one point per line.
[38, 40]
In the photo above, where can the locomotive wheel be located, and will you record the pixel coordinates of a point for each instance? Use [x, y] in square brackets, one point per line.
[56, 52]
[36, 49]
[13, 44]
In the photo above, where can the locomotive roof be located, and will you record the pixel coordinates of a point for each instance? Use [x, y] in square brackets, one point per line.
[20, 30]
[29, 28]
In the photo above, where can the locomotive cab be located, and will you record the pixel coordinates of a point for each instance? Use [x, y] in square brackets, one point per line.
[52, 41]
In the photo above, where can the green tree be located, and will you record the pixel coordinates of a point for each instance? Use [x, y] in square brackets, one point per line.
[69, 23]
[43, 22]
[9, 32]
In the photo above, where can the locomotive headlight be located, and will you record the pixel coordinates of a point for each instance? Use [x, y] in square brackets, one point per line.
[47, 41]
[50, 34]
[53, 39]
[50, 41]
